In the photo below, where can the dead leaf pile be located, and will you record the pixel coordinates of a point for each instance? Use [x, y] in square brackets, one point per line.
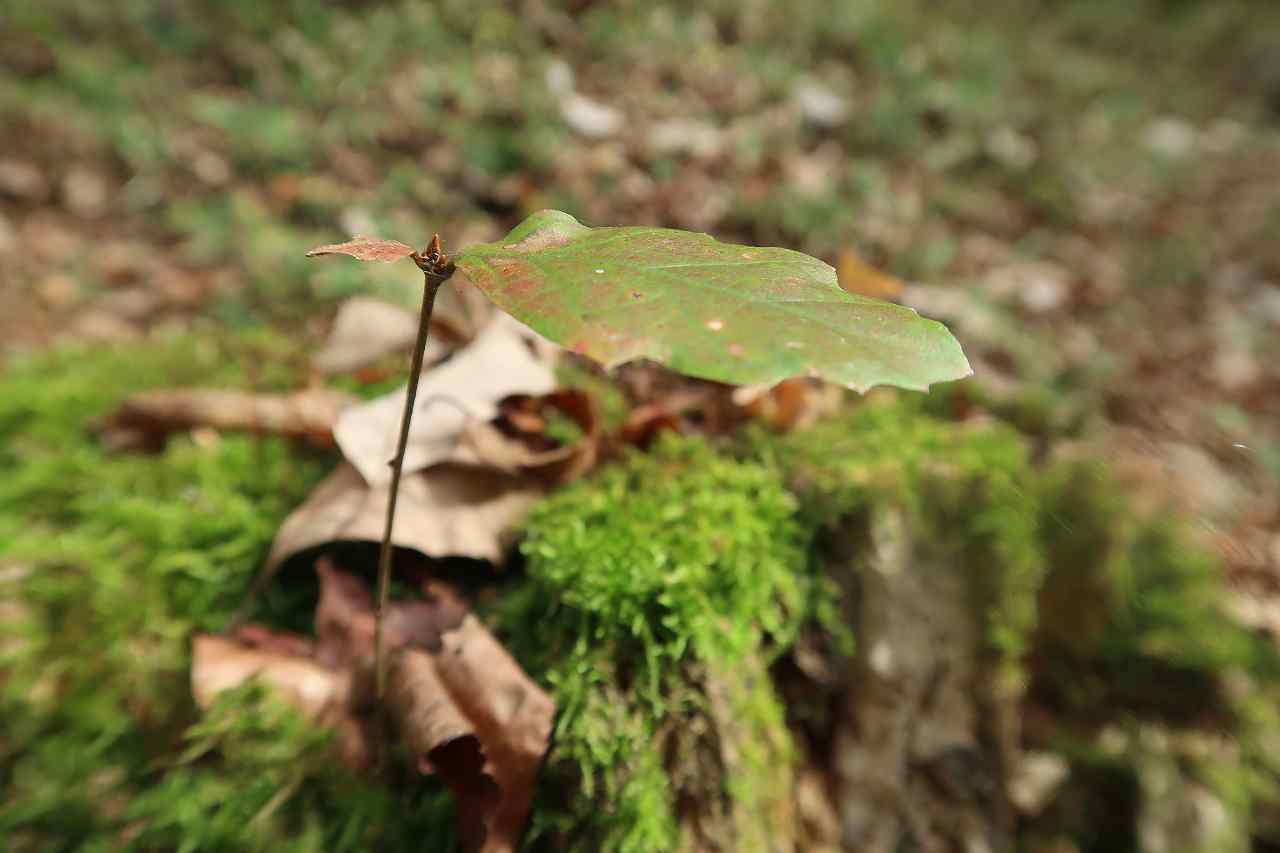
[454, 695]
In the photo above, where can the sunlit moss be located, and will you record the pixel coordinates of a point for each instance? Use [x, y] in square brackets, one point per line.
[657, 593]
[109, 561]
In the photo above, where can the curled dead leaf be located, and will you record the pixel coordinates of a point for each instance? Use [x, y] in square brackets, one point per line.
[445, 511]
[366, 249]
[365, 330]
[468, 386]
[146, 420]
[455, 696]
[324, 696]
[858, 277]
[790, 404]
[517, 440]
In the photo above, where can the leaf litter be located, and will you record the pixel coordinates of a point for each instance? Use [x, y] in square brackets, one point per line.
[367, 330]
[455, 696]
[468, 387]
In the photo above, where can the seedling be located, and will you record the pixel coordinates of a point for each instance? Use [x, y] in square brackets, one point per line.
[737, 314]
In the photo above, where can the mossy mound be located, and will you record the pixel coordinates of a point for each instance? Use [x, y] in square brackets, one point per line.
[108, 563]
[658, 592]
[660, 601]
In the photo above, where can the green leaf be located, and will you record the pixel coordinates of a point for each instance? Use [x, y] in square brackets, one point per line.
[737, 314]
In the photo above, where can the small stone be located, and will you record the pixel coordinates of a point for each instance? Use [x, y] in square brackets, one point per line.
[21, 180]
[212, 169]
[1170, 137]
[102, 327]
[819, 105]
[559, 78]
[85, 193]
[59, 291]
[1267, 305]
[1208, 488]
[685, 136]
[1236, 369]
[43, 236]
[8, 237]
[119, 261]
[1224, 135]
[1010, 148]
[130, 303]
[589, 118]
[1035, 780]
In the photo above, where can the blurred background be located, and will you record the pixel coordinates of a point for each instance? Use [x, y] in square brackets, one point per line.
[1087, 193]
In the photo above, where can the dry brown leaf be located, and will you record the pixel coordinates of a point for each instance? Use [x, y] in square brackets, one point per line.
[323, 695]
[365, 249]
[345, 618]
[455, 695]
[791, 404]
[516, 441]
[448, 510]
[665, 412]
[463, 703]
[146, 420]
[858, 277]
[367, 329]
[498, 363]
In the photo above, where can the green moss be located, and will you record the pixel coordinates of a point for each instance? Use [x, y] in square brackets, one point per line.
[1158, 639]
[108, 562]
[657, 595]
[972, 493]
[658, 592]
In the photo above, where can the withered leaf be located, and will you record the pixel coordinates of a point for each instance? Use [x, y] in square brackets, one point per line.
[498, 363]
[366, 249]
[858, 277]
[791, 404]
[367, 329]
[323, 695]
[448, 510]
[146, 420]
[516, 440]
[456, 697]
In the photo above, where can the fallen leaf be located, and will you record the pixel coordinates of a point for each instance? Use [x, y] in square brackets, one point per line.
[323, 695]
[509, 716]
[468, 386]
[456, 698]
[447, 510]
[791, 404]
[367, 329]
[706, 408]
[858, 277]
[462, 309]
[517, 441]
[366, 249]
[146, 420]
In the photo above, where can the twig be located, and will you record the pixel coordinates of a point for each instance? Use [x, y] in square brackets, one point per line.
[437, 268]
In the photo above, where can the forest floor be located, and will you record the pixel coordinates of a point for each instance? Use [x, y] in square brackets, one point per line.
[1087, 194]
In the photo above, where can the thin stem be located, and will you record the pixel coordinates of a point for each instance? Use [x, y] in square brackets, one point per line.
[437, 269]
